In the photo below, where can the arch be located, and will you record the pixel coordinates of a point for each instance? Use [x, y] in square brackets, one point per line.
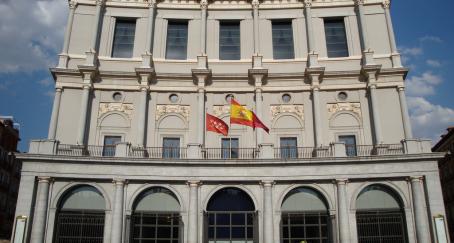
[82, 198]
[157, 199]
[285, 121]
[344, 119]
[61, 193]
[146, 187]
[327, 199]
[378, 197]
[304, 199]
[240, 188]
[172, 121]
[114, 119]
[397, 192]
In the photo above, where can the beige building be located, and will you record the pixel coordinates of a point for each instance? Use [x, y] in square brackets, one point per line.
[135, 80]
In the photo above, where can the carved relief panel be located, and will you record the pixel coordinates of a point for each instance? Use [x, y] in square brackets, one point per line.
[162, 110]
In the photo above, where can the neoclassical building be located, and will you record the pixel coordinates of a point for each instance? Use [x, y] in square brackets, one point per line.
[127, 158]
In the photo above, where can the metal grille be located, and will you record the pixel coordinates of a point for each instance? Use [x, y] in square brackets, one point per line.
[310, 227]
[384, 226]
[155, 227]
[79, 227]
[233, 226]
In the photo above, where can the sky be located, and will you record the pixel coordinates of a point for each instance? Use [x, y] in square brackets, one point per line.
[31, 36]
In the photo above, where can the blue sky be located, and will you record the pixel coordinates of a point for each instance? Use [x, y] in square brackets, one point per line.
[30, 42]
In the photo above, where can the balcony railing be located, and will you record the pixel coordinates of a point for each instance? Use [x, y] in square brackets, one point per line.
[284, 153]
[230, 153]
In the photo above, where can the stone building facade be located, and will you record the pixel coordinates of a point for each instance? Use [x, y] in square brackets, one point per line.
[9, 176]
[127, 158]
[446, 166]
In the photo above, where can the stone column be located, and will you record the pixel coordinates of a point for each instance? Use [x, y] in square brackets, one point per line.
[117, 218]
[255, 14]
[367, 52]
[142, 126]
[258, 112]
[420, 210]
[83, 114]
[147, 56]
[201, 112]
[342, 204]
[312, 57]
[55, 112]
[317, 120]
[92, 51]
[40, 215]
[375, 113]
[405, 115]
[395, 56]
[203, 27]
[193, 211]
[63, 57]
[268, 225]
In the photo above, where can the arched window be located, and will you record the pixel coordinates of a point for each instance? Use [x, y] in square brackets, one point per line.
[80, 216]
[156, 217]
[305, 217]
[380, 216]
[230, 217]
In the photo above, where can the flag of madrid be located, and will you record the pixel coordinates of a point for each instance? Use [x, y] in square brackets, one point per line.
[216, 125]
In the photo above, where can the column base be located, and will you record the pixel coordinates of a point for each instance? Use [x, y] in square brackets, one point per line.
[257, 61]
[91, 58]
[147, 60]
[202, 61]
[397, 62]
[63, 61]
[368, 58]
[194, 151]
[48, 146]
[266, 151]
[312, 60]
[338, 150]
[322, 152]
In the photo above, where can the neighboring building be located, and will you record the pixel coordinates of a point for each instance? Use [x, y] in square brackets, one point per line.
[9, 175]
[134, 81]
[446, 166]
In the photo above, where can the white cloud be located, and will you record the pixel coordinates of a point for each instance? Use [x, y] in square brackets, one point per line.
[429, 120]
[433, 63]
[45, 82]
[413, 51]
[431, 38]
[31, 33]
[423, 84]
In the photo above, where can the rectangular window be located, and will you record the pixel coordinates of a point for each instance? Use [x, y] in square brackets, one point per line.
[336, 39]
[229, 147]
[289, 148]
[110, 143]
[171, 148]
[283, 40]
[229, 41]
[123, 44]
[177, 40]
[350, 144]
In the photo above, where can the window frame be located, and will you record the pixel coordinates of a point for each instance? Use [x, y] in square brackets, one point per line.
[347, 49]
[231, 23]
[350, 150]
[109, 149]
[124, 20]
[175, 152]
[291, 152]
[170, 22]
[275, 22]
[231, 150]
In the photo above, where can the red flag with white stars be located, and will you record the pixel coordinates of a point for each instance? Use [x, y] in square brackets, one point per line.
[216, 125]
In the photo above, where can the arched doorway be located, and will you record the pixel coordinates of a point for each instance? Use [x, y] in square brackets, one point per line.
[305, 217]
[380, 216]
[156, 217]
[230, 217]
[80, 216]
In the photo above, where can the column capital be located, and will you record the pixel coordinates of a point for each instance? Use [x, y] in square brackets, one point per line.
[152, 3]
[87, 86]
[203, 4]
[119, 181]
[359, 2]
[58, 89]
[372, 86]
[416, 178]
[72, 4]
[307, 3]
[45, 179]
[144, 88]
[342, 181]
[386, 4]
[255, 4]
[315, 87]
[267, 183]
[195, 183]
[100, 2]
[400, 88]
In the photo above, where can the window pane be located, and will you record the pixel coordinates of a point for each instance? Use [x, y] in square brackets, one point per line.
[289, 147]
[282, 40]
[336, 39]
[177, 40]
[171, 148]
[229, 41]
[229, 147]
[350, 144]
[123, 44]
[109, 145]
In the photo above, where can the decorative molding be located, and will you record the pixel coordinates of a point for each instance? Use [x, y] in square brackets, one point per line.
[255, 4]
[72, 4]
[203, 4]
[276, 110]
[307, 3]
[221, 110]
[386, 4]
[127, 109]
[152, 3]
[344, 106]
[162, 110]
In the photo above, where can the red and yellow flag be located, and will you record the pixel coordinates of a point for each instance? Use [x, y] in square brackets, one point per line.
[214, 124]
[241, 115]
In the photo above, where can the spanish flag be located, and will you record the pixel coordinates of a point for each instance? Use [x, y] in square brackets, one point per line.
[243, 116]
